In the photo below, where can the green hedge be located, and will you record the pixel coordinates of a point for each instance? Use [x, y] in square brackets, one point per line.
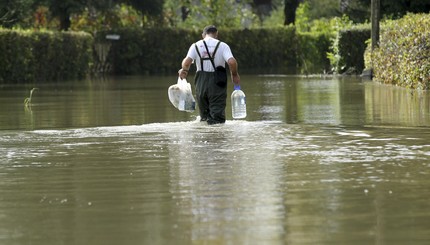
[264, 50]
[15, 56]
[27, 56]
[403, 56]
[312, 53]
[142, 51]
[349, 48]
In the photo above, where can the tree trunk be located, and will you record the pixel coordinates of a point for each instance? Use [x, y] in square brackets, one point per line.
[376, 13]
[290, 11]
[184, 13]
[65, 22]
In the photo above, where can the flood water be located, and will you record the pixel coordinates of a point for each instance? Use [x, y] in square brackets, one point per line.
[317, 161]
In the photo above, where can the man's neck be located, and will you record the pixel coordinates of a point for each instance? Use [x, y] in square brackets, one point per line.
[208, 36]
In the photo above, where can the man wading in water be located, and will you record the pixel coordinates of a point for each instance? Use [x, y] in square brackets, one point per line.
[211, 55]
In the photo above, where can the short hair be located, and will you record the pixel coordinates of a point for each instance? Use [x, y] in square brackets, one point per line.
[210, 29]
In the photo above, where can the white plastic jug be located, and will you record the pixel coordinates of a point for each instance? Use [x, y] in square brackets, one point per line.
[238, 103]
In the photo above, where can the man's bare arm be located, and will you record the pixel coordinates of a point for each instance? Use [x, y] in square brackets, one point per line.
[186, 64]
[232, 64]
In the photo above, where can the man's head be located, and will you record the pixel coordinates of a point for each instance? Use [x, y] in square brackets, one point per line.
[210, 30]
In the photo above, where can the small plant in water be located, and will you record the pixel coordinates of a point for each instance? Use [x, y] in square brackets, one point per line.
[27, 101]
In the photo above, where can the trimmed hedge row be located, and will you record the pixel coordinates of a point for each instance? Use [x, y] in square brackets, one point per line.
[27, 56]
[403, 56]
[147, 51]
[257, 50]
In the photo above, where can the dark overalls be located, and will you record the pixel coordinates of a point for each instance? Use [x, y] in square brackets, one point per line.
[211, 98]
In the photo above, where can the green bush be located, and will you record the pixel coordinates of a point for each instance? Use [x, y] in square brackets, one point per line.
[15, 56]
[164, 49]
[27, 56]
[147, 51]
[312, 53]
[403, 56]
[78, 47]
[265, 50]
[349, 48]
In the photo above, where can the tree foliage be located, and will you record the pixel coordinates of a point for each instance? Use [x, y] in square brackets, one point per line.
[13, 12]
[116, 17]
[193, 13]
[20, 12]
[359, 10]
[63, 9]
[147, 7]
[196, 14]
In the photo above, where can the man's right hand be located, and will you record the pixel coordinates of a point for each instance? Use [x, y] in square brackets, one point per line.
[183, 73]
[235, 78]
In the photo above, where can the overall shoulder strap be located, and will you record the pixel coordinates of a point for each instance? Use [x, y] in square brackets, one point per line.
[197, 49]
[211, 58]
[198, 53]
[216, 48]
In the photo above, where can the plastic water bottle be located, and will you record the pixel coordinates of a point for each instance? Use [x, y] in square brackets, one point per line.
[238, 103]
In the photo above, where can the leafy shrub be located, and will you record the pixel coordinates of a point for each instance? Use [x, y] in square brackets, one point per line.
[403, 56]
[312, 53]
[351, 46]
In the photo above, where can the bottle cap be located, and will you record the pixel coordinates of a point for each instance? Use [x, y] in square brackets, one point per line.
[236, 87]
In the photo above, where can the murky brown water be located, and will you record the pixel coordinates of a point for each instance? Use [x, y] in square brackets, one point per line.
[318, 161]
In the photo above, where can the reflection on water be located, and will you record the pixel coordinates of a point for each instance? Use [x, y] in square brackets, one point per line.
[227, 183]
[393, 105]
[318, 161]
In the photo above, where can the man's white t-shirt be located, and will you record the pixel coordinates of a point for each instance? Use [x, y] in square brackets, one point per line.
[222, 55]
